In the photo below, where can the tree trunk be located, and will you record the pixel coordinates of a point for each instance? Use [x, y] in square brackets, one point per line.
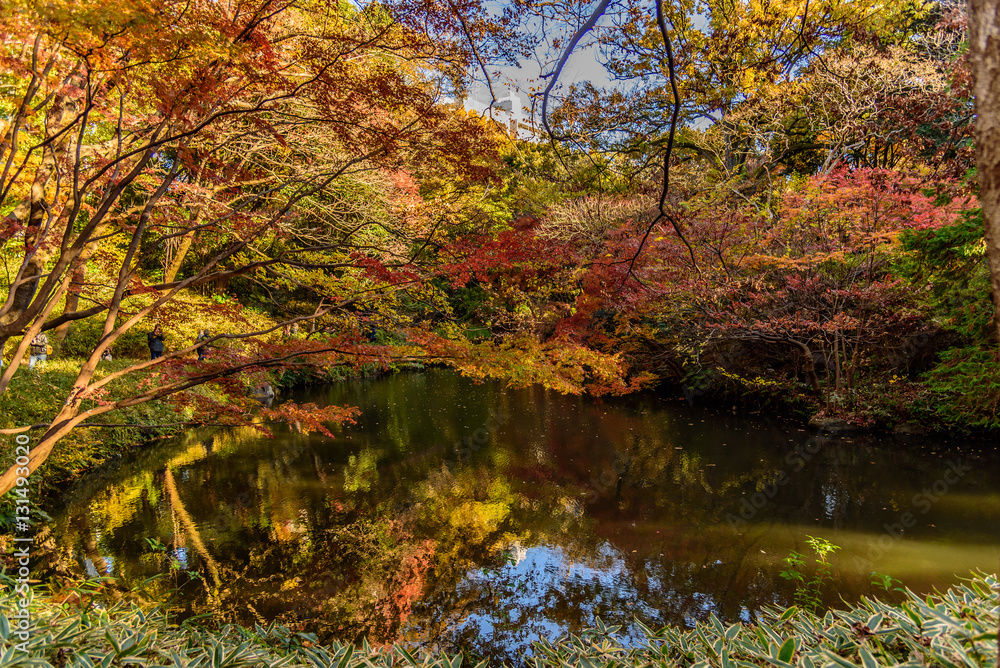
[77, 283]
[836, 360]
[60, 426]
[984, 28]
[41, 242]
[175, 265]
[810, 365]
[72, 300]
[854, 365]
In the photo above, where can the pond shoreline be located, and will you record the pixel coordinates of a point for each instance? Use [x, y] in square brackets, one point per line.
[807, 411]
[748, 402]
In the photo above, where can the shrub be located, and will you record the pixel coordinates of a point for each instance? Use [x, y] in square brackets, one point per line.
[957, 628]
[966, 388]
[947, 269]
[954, 629]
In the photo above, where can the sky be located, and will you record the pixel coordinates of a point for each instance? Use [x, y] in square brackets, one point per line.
[582, 66]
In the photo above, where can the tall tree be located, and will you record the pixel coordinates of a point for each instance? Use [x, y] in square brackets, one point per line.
[984, 28]
[227, 125]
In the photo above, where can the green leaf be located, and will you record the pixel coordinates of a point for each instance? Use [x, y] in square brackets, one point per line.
[917, 619]
[348, 653]
[787, 650]
[867, 660]
[837, 659]
[406, 655]
[110, 637]
[716, 623]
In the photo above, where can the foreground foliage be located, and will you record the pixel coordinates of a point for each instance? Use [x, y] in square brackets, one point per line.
[956, 628]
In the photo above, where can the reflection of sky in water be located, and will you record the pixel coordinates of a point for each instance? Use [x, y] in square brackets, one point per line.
[546, 574]
[831, 498]
[109, 567]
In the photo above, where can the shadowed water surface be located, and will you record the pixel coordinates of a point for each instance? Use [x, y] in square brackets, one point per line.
[462, 515]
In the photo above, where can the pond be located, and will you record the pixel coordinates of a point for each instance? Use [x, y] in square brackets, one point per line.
[461, 515]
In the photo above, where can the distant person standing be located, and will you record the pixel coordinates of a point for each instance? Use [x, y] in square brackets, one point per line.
[203, 349]
[39, 350]
[155, 341]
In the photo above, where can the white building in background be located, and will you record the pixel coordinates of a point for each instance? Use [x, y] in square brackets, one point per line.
[508, 111]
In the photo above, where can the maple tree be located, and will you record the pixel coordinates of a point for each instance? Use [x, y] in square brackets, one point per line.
[728, 55]
[720, 110]
[764, 90]
[806, 282]
[827, 287]
[163, 147]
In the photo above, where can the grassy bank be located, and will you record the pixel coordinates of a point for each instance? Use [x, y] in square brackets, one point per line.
[33, 398]
[953, 629]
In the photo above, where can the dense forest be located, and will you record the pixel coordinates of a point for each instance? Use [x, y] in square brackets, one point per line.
[782, 206]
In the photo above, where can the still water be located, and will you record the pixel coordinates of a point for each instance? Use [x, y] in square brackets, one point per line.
[461, 515]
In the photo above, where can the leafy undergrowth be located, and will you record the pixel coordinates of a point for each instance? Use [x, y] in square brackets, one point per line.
[956, 628]
[960, 395]
[966, 386]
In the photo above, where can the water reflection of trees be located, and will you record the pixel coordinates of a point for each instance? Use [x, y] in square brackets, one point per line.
[387, 533]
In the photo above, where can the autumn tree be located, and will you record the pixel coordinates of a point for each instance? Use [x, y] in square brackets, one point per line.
[223, 134]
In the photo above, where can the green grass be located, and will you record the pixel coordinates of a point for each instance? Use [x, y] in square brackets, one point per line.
[36, 397]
